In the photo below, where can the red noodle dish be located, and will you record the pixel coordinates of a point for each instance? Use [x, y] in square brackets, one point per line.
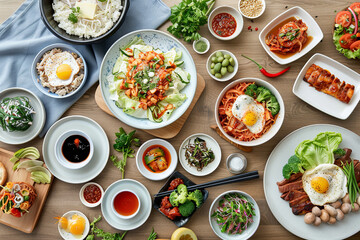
[289, 36]
[247, 111]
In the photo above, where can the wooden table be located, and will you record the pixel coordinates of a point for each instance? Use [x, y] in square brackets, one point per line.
[64, 197]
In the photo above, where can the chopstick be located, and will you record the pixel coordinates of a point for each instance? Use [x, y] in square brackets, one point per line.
[218, 182]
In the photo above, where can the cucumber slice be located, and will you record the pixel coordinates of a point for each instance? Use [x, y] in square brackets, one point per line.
[40, 177]
[128, 54]
[120, 75]
[117, 65]
[29, 152]
[149, 159]
[178, 63]
[178, 55]
[29, 163]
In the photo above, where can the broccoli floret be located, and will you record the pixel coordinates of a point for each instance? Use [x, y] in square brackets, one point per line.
[251, 90]
[196, 196]
[187, 208]
[179, 196]
[273, 105]
[263, 94]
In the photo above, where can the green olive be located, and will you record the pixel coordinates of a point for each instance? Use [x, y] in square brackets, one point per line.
[218, 75]
[212, 65]
[219, 54]
[223, 71]
[220, 59]
[225, 63]
[230, 69]
[217, 67]
[232, 62]
[227, 56]
[214, 60]
[212, 71]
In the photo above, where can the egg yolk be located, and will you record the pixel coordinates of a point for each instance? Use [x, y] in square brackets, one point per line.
[63, 71]
[63, 223]
[320, 184]
[77, 225]
[249, 118]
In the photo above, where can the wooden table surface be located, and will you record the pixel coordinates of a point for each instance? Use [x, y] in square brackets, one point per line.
[64, 197]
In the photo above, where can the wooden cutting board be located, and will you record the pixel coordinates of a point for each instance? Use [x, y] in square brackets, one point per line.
[171, 130]
[28, 221]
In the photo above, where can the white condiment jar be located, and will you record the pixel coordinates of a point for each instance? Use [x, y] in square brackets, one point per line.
[236, 163]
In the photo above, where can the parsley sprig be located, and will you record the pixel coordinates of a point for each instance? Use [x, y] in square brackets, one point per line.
[73, 17]
[152, 235]
[188, 16]
[97, 232]
[123, 143]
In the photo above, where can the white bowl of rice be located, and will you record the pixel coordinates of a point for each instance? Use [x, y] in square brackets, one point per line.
[85, 21]
[252, 8]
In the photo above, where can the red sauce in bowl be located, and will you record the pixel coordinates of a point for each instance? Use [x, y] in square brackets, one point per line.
[92, 193]
[126, 203]
[224, 24]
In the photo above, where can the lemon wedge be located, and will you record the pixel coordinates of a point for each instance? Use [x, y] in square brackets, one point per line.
[183, 234]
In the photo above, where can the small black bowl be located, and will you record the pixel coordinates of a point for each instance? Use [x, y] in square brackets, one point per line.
[47, 13]
[179, 221]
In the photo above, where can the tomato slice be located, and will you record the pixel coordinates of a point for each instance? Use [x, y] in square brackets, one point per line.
[343, 18]
[355, 46]
[356, 7]
[15, 212]
[346, 40]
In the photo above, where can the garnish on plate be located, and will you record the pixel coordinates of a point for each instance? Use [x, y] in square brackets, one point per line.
[16, 114]
[198, 155]
[124, 143]
[73, 17]
[152, 235]
[266, 73]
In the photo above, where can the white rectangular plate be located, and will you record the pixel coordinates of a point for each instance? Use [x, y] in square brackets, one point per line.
[313, 30]
[322, 101]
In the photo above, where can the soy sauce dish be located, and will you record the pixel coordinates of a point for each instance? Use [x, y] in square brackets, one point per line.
[74, 149]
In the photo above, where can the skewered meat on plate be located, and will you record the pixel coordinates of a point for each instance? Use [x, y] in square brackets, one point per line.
[322, 80]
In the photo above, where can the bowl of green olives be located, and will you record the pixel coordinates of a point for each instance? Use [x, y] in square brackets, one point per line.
[222, 65]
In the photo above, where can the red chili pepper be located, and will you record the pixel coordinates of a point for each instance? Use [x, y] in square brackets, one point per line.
[264, 72]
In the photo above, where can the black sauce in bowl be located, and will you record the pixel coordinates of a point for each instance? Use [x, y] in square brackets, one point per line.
[76, 148]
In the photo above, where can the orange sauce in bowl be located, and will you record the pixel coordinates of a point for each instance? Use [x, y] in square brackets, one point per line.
[126, 203]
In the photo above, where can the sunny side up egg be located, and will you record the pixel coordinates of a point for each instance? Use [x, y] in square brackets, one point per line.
[75, 225]
[250, 113]
[324, 184]
[61, 68]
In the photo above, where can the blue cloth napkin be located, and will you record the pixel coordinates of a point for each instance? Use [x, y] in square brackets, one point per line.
[23, 35]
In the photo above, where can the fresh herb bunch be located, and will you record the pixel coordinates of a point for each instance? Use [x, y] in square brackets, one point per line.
[152, 235]
[97, 232]
[73, 17]
[123, 143]
[353, 187]
[188, 16]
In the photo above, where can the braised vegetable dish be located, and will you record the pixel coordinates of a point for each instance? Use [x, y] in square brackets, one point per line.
[198, 154]
[157, 158]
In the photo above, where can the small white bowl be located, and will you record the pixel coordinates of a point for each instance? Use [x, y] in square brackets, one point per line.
[274, 128]
[261, 13]
[228, 76]
[82, 199]
[122, 216]
[246, 234]
[68, 236]
[151, 175]
[204, 40]
[58, 150]
[233, 12]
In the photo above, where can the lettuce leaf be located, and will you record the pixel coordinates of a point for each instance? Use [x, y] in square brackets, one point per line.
[130, 106]
[318, 151]
[339, 31]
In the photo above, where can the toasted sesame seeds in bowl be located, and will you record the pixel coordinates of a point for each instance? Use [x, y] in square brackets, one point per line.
[252, 8]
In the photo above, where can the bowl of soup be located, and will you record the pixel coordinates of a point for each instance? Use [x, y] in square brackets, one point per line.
[156, 159]
[126, 204]
[74, 149]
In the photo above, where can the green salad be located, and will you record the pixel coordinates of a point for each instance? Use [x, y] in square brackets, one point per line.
[147, 82]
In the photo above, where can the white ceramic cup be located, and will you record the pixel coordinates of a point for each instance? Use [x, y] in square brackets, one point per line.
[58, 150]
[123, 216]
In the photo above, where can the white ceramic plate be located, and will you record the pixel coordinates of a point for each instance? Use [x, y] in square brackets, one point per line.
[313, 30]
[212, 144]
[160, 40]
[280, 208]
[322, 101]
[20, 137]
[68, 236]
[246, 234]
[140, 218]
[96, 164]
[273, 130]
[151, 175]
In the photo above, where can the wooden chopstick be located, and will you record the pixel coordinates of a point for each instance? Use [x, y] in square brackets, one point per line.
[232, 179]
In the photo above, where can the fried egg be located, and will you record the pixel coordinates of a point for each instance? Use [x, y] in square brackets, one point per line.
[75, 225]
[324, 184]
[61, 68]
[250, 113]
